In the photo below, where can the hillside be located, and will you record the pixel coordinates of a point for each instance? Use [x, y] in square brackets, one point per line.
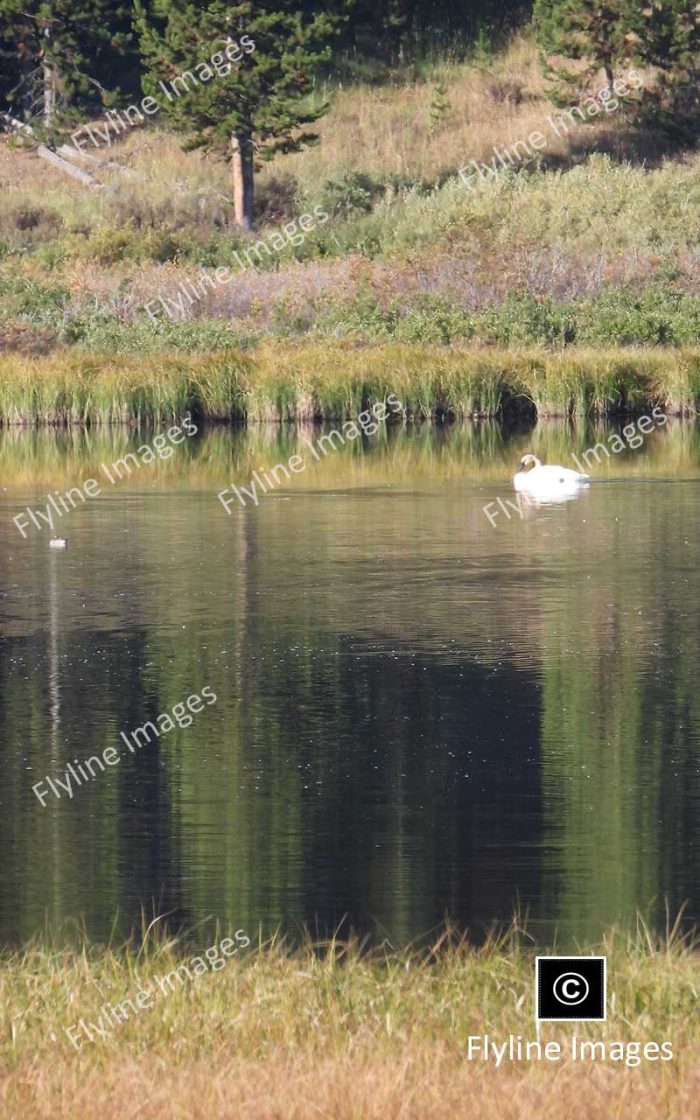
[371, 235]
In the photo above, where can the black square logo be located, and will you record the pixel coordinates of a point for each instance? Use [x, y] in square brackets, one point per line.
[571, 989]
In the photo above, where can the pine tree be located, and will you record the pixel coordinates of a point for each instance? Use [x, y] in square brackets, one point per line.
[669, 36]
[243, 72]
[601, 33]
[439, 107]
[60, 57]
[661, 35]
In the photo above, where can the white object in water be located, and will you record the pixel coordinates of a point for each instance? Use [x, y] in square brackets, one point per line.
[549, 481]
[58, 542]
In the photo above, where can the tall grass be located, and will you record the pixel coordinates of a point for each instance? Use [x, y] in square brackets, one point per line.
[330, 381]
[335, 1030]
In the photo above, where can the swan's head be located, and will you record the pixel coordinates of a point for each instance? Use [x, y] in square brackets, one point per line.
[529, 461]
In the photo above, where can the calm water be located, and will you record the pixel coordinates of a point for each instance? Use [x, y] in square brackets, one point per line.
[418, 714]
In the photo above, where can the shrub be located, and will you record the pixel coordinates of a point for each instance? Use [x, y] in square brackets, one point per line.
[657, 316]
[39, 302]
[506, 91]
[24, 225]
[19, 336]
[362, 317]
[435, 319]
[32, 217]
[107, 245]
[354, 191]
[275, 200]
[523, 318]
[106, 334]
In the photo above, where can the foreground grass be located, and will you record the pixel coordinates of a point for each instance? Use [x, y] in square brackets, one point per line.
[331, 381]
[332, 1031]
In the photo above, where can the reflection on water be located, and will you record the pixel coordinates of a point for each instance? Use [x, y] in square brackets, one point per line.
[418, 713]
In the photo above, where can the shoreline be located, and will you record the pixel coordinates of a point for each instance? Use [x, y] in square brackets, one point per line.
[331, 382]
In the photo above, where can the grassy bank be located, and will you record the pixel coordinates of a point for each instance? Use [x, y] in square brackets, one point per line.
[333, 382]
[338, 1033]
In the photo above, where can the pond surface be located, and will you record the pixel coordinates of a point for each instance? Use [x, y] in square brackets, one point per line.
[418, 713]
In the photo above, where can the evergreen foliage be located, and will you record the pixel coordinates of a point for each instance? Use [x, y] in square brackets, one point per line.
[245, 70]
[63, 58]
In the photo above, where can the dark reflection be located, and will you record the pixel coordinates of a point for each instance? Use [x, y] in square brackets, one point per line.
[418, 714]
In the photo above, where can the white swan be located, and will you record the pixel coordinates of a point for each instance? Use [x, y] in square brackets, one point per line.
[58, 542]
[547, 482]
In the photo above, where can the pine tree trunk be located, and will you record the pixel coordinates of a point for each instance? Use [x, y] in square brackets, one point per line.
[49, 82]
[609, 77]
[49, 95]
[26, 98]
[242, 175]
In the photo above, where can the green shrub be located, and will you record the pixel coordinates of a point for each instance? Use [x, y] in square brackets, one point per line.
[435, 319]
[23, 225]
[41, 303]
[362, 317]
[105, 334]
[52, 255]
[523, 318]
[108, 245]
[354, 191]
[658, 316]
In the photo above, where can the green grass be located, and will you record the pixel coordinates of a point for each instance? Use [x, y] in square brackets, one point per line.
[330, 381]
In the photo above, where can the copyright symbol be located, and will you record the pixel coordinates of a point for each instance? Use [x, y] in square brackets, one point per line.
[570, 988]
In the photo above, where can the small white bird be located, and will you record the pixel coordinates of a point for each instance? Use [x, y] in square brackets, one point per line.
[58, 542]
[547, 482]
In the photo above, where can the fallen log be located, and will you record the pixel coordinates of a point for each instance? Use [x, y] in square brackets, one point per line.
[63, 156]
[50, 156]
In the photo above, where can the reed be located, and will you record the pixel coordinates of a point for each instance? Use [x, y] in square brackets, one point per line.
[335, 1030]
[329, 381]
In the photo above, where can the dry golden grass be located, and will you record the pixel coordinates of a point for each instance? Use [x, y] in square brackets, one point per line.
[340, 1034]
[388, 130]
[415, 1084]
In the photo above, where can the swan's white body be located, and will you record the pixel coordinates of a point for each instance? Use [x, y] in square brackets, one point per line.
[58, 542]
[549, 481]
